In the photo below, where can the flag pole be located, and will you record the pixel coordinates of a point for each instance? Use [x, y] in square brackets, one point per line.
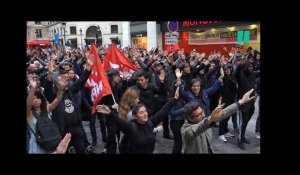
[114, 99]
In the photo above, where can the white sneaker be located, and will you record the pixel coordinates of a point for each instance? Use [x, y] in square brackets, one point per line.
[222, 138]
[257, 135]
[228, 134]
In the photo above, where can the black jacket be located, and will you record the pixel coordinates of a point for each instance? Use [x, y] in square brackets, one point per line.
[143, 138]
[228, 90]
[59, 113]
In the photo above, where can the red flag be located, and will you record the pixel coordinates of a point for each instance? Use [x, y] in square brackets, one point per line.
[97, 81]
[117, 60]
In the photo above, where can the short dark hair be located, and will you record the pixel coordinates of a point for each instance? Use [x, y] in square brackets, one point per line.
[141, 73]
[190, 107]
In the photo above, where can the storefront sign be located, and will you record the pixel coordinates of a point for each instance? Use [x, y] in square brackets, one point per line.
[220, 36]
[171, 35]
[171, 38]
[171, 26]
[171, 41]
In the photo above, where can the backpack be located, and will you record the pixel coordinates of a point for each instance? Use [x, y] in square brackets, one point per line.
[47, 133]
[126, 141]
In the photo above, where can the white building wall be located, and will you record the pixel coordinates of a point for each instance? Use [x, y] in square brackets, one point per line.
[126, 39]
[151, 35]
[105, 28]
[159, 37]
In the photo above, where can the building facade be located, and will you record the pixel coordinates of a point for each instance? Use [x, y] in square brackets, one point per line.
[37, 34]
[78, 34]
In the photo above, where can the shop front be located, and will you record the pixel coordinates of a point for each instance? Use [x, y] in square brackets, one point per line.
[39, 43]
[207, 36]
[139, 40]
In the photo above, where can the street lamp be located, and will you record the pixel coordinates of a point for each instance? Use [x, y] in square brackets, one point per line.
[80, 30]
[64, 27]
[98, 30]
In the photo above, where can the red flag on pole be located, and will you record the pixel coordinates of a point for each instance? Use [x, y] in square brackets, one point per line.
[116, 59]
[97, 81]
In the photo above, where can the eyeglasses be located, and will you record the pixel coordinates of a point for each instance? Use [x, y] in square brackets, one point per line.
[199, 114]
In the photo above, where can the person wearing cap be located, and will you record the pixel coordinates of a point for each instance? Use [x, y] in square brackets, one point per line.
[118, 86]
[67, 114]
[36, 78]
[160, 97]
[196, 131]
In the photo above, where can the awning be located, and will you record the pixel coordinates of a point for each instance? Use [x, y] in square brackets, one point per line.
[39, 42]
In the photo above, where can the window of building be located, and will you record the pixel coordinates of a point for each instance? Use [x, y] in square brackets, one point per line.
[38, 33]
[114, 28]
[73, 30]
[37, 22]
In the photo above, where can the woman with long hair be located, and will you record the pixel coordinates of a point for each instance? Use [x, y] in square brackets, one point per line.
[37, 104]
[130, 97]
[139, 132]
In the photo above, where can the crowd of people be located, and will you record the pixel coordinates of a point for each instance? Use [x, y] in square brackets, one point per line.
[180, 94]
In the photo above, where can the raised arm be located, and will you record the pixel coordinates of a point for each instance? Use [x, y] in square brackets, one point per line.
[164, 112]
[124, 125]
[30, 96]
[84, 76]
[62, 83]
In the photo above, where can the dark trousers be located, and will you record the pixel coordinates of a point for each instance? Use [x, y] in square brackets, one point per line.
[223, 126]
[102, 122]
[157, 106]
[244, 119]
[175, 126]
[78, 139]
[234, 120]
[112, 131]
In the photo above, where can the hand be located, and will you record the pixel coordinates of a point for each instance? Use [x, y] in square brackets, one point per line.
[158, 128]
[246, 98]
[63, 145]
[217, 114]
[115, 106]
[103, 109]
[221, 72]
[178, 73]
[125, 73]
[202, 55]
[31, 81]
[90, 62]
